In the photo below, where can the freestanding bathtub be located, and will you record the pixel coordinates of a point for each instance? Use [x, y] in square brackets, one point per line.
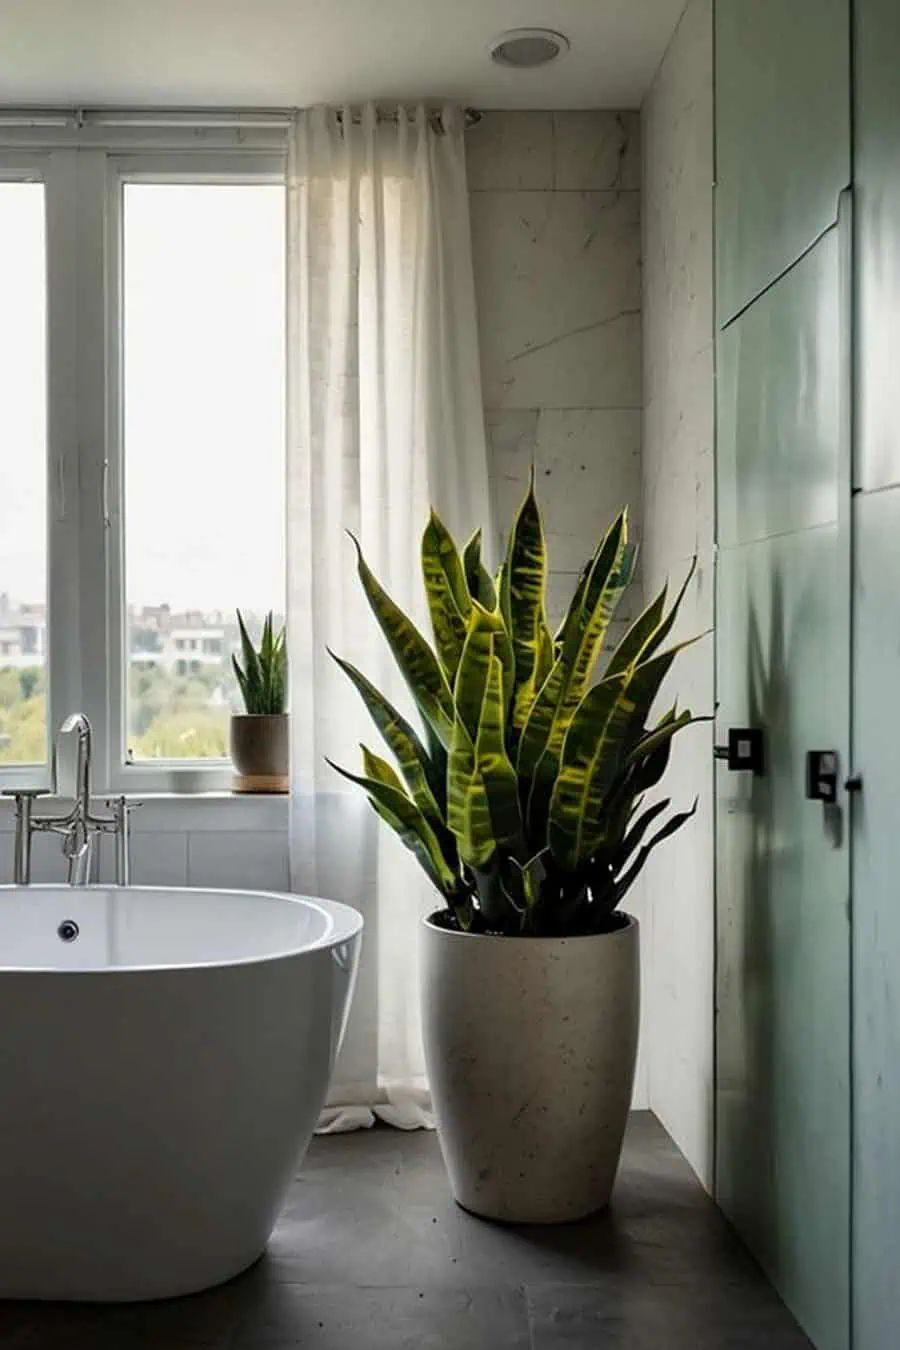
[164, 1055]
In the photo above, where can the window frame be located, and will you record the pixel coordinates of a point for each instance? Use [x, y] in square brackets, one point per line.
[84, 169]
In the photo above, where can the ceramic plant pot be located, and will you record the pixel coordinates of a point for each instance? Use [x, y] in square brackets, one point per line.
[260, 752]
[530, 1045]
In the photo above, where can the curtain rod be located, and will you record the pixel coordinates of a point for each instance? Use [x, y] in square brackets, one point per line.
[168, 117]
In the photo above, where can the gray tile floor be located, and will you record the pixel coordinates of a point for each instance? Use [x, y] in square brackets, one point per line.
[372, 1254]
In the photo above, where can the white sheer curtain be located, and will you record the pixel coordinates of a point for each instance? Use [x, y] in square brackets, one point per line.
[385, 419]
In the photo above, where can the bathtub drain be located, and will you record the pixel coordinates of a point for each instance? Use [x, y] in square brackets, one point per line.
[68, 930]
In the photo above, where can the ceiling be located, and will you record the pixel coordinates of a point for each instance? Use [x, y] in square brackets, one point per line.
[271, 53]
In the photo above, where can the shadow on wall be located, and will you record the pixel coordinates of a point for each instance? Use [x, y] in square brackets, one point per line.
[762, 947]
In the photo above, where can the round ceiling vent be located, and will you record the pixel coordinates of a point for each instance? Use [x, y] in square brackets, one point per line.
[526, 48]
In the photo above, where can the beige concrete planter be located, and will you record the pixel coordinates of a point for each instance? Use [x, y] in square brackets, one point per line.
[260, 752]
[530, 1045]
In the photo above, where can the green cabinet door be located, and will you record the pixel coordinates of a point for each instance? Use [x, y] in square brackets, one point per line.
[876, 148]
[876, 922]
[782, 136]
[876, 682]
[782, 869]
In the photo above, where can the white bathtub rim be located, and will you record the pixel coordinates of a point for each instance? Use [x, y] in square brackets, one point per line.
[344, 925]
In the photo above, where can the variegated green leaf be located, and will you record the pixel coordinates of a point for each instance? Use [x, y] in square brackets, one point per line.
[376, 767]
[640, 686]
[416, 846]
[486, 637]
[531, 874]
[664, 732]
[650, 629]
[536, 731]
[447, 593]
[613, 561]
[410, 824]
[584, 631]
[422, 777]
[417, 662]
[468, 815]
[659, 635]
[523, 604]
[497, 775]
[632, 643]
[592, 754]
[479, 581]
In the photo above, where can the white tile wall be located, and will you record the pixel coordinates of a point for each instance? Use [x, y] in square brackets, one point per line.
[255, 861]
[678, 521]
[159, 858]
[558, 281]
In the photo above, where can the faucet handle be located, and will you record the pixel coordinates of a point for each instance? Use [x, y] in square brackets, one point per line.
[18, 792]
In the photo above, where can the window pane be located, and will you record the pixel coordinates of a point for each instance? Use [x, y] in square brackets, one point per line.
[203, 357]
[23, 475]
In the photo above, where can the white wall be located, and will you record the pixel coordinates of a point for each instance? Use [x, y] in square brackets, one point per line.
[677, 121]
[555, 202]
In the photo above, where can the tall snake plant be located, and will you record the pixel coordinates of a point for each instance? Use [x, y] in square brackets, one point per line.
[526, 801]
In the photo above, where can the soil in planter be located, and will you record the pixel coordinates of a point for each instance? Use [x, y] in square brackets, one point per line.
[446, 919]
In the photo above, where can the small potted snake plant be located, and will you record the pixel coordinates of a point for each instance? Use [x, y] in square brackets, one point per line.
[528, 800]
[260, 742]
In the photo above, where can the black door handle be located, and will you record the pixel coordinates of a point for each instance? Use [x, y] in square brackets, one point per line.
[744, 751]
[822, 776]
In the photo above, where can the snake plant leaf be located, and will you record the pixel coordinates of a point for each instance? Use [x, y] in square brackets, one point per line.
[539, 722]
[640, 827]
[253, 689]
[603, 763]
[446, 591]
[650, 629]
[641, 630]
[664, 732]
[531, 875]
[376, 767]
[479, 581]
[265, 657]
[614, 557]
[590, 761]
[425, 783]
[494, 768]
[645, 679]
[486, 637]
[523, 604]
[417, 662]
[624, 883]
[482, 789]
[468, 813]
[583, 634]
[240, 677]
[659, 635]
[401, 812]
[415, 845]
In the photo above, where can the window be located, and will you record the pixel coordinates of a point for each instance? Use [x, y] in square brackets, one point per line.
[23, 475]
[203, 445]
[153, 507]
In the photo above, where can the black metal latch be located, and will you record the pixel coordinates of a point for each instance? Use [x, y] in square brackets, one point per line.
[822, 776]
[744, 750]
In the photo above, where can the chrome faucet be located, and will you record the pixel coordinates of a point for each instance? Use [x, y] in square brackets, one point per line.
[78, 826]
